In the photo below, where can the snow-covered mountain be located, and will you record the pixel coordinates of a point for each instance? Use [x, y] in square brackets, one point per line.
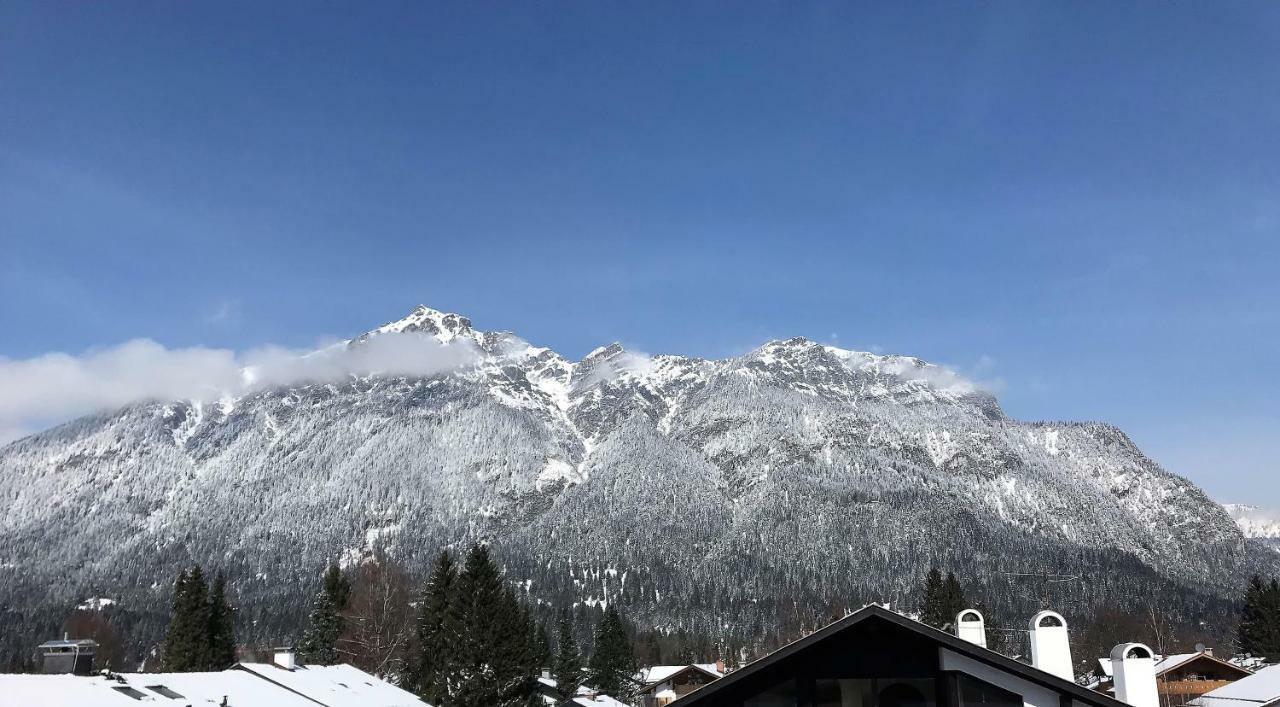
[770, 488]
[1257, 523]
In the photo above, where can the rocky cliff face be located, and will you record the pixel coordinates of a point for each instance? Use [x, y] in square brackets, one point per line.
[764, 489]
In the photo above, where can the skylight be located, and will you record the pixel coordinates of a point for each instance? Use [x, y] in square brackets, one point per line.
[135, 694]
[162, 690]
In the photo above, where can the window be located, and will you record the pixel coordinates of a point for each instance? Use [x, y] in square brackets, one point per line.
[135, 694]
[782, 694]
[902, 694]
[844, 693]
[878, 692]
[980, 693]
[162, 690]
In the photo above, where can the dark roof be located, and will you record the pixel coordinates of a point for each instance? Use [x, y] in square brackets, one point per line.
[954, 643]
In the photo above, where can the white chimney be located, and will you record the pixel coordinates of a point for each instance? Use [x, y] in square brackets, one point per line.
[1134, 668]
[286, 658]
[971, 627]
[1051, 646]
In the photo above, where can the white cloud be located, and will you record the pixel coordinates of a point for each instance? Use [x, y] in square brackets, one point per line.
[55, 387]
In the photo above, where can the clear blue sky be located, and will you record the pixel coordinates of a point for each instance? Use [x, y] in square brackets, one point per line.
[1081, 200]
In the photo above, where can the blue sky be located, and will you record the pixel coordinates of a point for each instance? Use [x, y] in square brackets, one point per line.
[1079, 203]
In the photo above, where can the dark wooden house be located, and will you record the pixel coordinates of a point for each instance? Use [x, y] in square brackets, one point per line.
[877, 658]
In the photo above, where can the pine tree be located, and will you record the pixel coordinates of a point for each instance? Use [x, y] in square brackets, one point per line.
[472, 629]
[1260, 619]
[337, 586]
[953, 601]
[512, 659]
[324, 624]
[613, 664]
[568, 666]
[222, 636]
[539, 644]
[186, 646]
[932, 602]
[428, 668]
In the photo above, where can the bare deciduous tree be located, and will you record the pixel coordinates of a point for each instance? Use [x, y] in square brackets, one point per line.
[93, 625]
[376, 626]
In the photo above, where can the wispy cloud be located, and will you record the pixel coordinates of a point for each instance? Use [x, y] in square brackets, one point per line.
[224, 313]
[58, 386]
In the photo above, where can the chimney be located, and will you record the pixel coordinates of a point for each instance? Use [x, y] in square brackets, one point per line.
[971, 627]
[1134, 667]
[286, 658]
[1051, 646]
[68, 656]
[720, 665]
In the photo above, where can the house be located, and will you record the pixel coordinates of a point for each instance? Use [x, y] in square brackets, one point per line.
[68, 656]
[549, 695]
[1181, 677]
[663, 684]
[284, 683]
[877, 658]
[1262, 689]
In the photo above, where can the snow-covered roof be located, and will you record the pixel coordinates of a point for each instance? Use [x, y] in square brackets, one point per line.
[335, 685]
[658, 673]
[240, 689]
[597, 700]
[1260, 688]
[1164, 663]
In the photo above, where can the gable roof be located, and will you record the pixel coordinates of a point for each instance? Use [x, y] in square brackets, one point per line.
[874, 612]
[1261, 688]
[660, 673]
[1165, 663]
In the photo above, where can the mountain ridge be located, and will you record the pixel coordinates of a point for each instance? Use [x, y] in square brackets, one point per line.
[771, 487]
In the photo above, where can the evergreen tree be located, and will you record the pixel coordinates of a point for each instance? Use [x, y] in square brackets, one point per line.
[186, 646]
[1260, 619]
[612, 665]
[568, 666]
[428, 668]
[512, 658]
[324, 624]
[541, 644]
[953, 601]
[470, 630]
[222, 636]
[320, 638]
[932, 601]
[337, 586]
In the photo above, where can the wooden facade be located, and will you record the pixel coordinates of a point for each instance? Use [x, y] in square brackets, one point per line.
[877, 658]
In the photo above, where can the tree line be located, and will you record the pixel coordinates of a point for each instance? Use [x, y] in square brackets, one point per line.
[471, 636]
[472, 641]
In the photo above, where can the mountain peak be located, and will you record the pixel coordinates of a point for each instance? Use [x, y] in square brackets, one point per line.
[444, 326]
[603, 352]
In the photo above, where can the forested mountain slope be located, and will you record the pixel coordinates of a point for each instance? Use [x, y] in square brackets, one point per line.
[747, 494]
